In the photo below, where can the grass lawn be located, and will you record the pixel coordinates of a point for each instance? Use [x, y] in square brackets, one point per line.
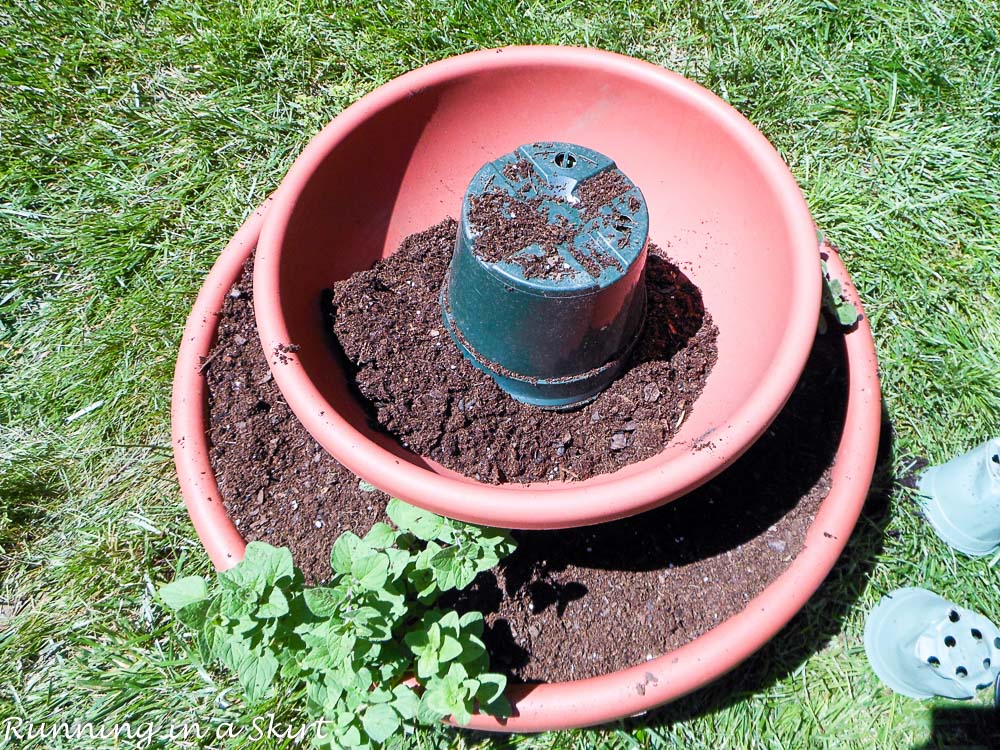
[135, 136]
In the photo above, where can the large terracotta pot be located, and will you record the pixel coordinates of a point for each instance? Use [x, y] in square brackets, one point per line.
[398, 161]
[612, 696]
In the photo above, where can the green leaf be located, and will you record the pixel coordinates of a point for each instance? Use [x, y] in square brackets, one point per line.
[451, 648]
[274, 563]
[342, 554]
[348, 645]
[419, 522]
[381, 536]
[417, 640]
[407, 702]
[290, 670]
[229, 649]
[237, 601]
[450, 695]
[427, 665]
[834, 301]
[491, 687]
[847, 314]
[372, 571]
[184, 591]
[256, 671]
[194, 615]
[380, 721]
[275, 606]
[473, 650]
[427, 712]
[399, 561]
[436, 701]
[323, 601]
[471, 622]
[351, 737]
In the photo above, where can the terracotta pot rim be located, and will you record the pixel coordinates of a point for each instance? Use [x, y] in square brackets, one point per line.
[553, 504]
[597, 700]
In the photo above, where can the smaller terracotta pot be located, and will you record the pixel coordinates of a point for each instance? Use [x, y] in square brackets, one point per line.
[562, 705]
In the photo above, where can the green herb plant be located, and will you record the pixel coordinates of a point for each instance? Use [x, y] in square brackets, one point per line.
[369, 650]
[835, 303]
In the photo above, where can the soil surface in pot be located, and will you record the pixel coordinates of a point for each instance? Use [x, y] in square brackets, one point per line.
[420, 388]
[568, 604]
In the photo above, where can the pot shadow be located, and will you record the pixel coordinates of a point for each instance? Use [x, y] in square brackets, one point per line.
[970, 727]
[739, 505]
[819, 621]
[675, 312]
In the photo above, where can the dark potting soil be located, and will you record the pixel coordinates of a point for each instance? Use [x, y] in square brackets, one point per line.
[422, 390]
[567, 604]
[501, 236]
[278, 484]
[577, 603]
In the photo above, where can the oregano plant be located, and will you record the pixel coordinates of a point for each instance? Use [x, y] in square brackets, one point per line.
[369, 649]
[835, 303]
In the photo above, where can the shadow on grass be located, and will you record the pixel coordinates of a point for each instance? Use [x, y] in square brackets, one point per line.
[24, 496]
[813, 627]
[969, 727]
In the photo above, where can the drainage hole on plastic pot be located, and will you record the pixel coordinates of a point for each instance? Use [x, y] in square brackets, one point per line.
[949, 641]
[565, 160]
[623, 226]
[961, 672]
[977, 634]
[996, 643]
[986, 663]
[934, 661]
[953, 616]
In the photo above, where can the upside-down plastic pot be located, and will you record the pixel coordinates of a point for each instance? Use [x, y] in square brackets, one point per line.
[922, 645]
[561, 705]
[962, 499]
[552, 316]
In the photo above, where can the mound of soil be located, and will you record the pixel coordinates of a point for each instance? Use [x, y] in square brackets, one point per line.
[421, 389]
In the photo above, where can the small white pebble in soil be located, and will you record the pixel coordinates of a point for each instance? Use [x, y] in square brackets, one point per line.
[295, 504]
[435, 332]
[318, 523]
